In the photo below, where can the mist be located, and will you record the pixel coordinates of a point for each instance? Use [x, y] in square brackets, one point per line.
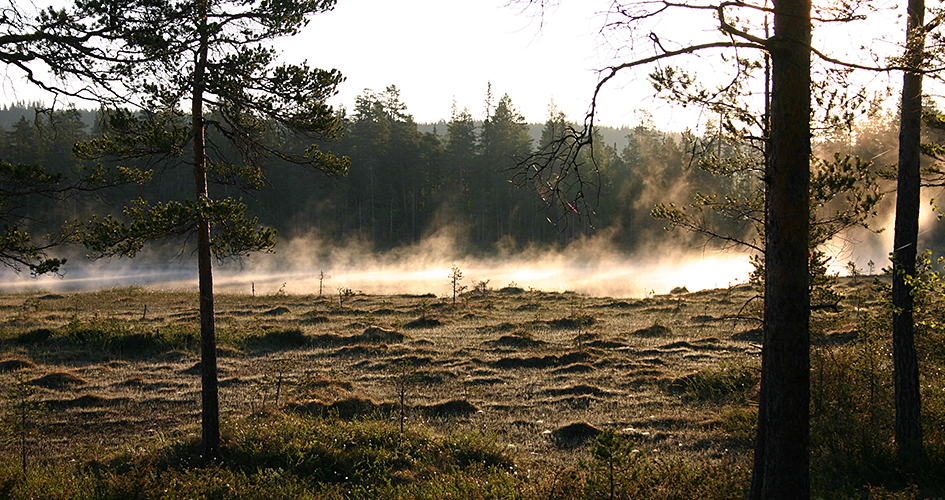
[303, 265]
[592, 266]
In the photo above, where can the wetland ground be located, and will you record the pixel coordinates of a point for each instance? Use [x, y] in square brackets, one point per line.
[541, 374]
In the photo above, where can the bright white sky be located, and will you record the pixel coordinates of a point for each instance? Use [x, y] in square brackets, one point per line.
[438, 51]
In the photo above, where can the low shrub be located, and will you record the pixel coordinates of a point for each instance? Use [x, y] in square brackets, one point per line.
[277, 338]
[718, 383]
[617, 470]
[124, 338]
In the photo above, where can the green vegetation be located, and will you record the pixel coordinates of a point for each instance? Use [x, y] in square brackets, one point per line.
[40, 182]
[493, 402]
[278, 455]
[717, 382]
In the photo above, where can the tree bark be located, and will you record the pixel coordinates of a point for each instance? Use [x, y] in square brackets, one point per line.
[756, 491]
[908, 400]
[210, 403]
[786, 352]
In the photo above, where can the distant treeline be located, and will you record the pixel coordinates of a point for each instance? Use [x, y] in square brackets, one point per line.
[405, 184]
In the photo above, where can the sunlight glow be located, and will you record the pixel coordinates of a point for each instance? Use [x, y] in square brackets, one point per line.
[605, 274]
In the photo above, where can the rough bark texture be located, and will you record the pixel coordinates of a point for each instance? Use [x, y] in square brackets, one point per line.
[786, 353]
[908, 400]
[210, 402]
[757, 478]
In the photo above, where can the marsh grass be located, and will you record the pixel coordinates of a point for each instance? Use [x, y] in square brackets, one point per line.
[724, 381]
[311, 410]
[282, 455]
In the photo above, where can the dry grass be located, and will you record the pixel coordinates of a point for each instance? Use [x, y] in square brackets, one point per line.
[675, 374]
[529, 362]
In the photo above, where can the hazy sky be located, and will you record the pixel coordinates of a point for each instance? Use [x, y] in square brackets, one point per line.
[436, 51]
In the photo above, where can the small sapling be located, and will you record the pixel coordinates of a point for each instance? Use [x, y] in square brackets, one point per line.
[344, 294]
[24, 408]
[321, 281]
[404, 376]
[455, 276]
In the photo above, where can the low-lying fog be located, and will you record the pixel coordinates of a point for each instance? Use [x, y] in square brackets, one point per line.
[301, 266]
[296, 267]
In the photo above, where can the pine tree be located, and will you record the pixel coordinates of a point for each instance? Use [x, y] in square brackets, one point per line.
[908, 397]
[212, 55]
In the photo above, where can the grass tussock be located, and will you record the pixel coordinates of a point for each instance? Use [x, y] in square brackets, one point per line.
[288, 456]
[717, 383]
[59, 380]
[128, 338]
[16, 364]
[276, 455]
[654, 330]
[663, 390]
[276, 339]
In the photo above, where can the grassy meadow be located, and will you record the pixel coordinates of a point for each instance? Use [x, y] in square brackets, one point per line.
[509, 393]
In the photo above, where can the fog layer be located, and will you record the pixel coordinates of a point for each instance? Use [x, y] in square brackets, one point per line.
[304, 265]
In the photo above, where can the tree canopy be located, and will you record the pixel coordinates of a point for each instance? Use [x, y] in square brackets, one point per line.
[215, 56]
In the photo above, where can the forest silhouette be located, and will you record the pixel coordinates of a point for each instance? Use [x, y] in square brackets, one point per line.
[409, 181]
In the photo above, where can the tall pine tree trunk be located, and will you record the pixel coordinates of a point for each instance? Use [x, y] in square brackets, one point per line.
[908, 402]
[786, 353]
[210, 403]
[757, 478]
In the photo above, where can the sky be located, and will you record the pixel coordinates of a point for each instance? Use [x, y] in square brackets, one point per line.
[436, 51]
[440, 51]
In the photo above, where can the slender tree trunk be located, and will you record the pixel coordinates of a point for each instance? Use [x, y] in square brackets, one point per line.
[786, 352]
[908, 401]
[756, 490]
[210, 403]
